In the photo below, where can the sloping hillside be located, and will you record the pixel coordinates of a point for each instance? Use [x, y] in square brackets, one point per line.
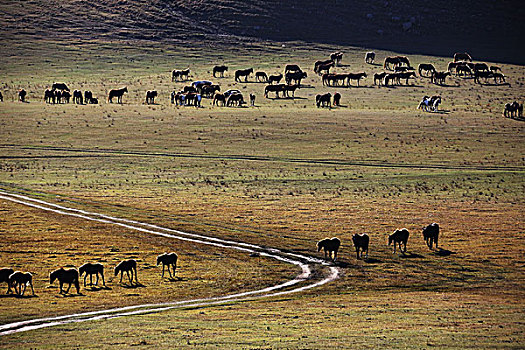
[487, 29]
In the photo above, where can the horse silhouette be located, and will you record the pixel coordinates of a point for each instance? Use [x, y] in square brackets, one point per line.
[4, 277]
[431, 234]
[330, 246]
[92, 269]
[127, 266]
[168, 259]
[19, 279]
[398, 237]
[69, 276]
[118, 93]
[361, 242]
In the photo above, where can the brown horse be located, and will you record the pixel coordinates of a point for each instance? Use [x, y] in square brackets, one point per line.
[118, 93]
[274, 88]
[355, 76]
[168, 259]
[370, 56]
[318, 63]
[336, 57]
[291, 68]
[330, 246]
[19, 279]
[427, 67]
[324, 68]
[235, 99]
[361, 242]
[513, 110]
[275, 78]
[295, 77]
[431, 234]
[69, 276]
[391, 62]
[92, 269]
[462, 56]
[127, 266]
[4, 277]
[398, 237]
[379, 78]
[337, 99]
[261, 76]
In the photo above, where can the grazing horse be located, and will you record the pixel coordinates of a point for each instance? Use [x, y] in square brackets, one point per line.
[66, 95]
[399, 236]
[355, 76]
[220, 70]
[291, 68]
[391, 62]
[60, 86]
[180, 74]
[439, 77]
[117, 93]
[336, 57]
[209, 90]
[69, 276]
[498, 76]
[235, 99]
[261, 76]
[275, 78]
[494, 69]
[88, 96]
[168, 259]
[370, 56]
[318, 63]
[406, 76]
[337, 99]
[92, 269]
[427, 67]
[294, 77]
[462, 56]
[49, 96]
[4, 277]
[430, 103]
[323, 100]
[243, 73]
[19, 279]
[513, 109]
[77, 97]
[379, 77]
[150, 96]
[127, 266]
[324, 68]
[361, 242]
[219, 98]
[252, 100]
[22, 95]
[482, 74]
[274, 88]
[463, 68]
[431, 234]
[330, 245]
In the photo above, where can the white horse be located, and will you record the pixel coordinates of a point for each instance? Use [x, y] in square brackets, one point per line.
[428, 104]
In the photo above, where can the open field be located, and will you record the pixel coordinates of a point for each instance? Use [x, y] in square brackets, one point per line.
[283, 174]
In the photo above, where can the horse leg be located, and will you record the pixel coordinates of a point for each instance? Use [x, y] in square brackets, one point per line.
[91, 279]
[121, 273]
[136, 278]
[96, 282]
[163, 270]
[102, 275]
[130, 278]
[32, 289]
[68, 288]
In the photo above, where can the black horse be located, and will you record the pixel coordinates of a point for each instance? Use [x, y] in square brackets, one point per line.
[431, 234]
[92, 269]
[118, 93]
[19, 279]
[398, 237]
[150, 96]
[361, 242]
[220, 70]
[243, 73]
[69, 276]
[168, 259]
[127, 266]
[4, 277]
[330, 246]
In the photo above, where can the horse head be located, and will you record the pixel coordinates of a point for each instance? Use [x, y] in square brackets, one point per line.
[160, 258]
[54, 275]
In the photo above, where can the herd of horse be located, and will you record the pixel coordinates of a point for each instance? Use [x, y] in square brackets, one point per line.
[397, 71]
[361, 242]
[18, 281]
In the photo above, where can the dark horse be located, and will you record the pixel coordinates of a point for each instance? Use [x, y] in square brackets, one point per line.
[370, 56]
[69, 276]
[329, 245]
[4, 277]
[168, 259]
[117, 93]
[219, 69]
[21, 279]
[243, 73]
[92, 269]
[431, 234]
[361, 242]
[127, 265]
[399, 236]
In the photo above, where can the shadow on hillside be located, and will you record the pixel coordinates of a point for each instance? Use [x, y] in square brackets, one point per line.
[133, 286]
[444, 252]
[372, 261]
[409, 255]
[97, 288]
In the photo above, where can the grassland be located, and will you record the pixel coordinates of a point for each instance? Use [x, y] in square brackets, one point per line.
[283, 174]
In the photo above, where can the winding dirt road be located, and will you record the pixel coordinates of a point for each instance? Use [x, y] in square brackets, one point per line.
[301, 282]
